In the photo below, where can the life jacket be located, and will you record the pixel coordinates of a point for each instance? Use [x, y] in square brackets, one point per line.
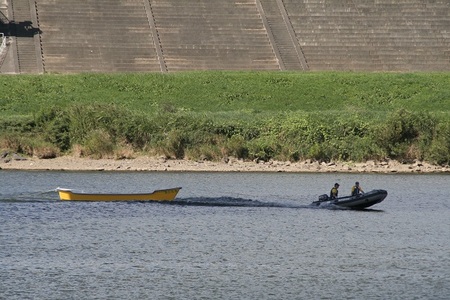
[333, 193]
[355, 190]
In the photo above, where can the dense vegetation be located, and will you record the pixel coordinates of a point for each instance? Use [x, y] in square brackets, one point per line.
[212, 115]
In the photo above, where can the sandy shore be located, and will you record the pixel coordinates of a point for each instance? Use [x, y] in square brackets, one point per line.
[144, 163]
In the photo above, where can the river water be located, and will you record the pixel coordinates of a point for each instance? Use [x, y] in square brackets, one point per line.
[227, 236]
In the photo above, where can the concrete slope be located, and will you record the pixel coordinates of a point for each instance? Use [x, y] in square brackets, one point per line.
[97, 36]
[213, 35]
[383, 35]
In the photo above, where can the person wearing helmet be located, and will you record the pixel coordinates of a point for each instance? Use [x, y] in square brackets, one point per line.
[357, 190]
[334, 191]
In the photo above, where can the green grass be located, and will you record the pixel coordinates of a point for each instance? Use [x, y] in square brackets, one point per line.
[231, 91]
[252, 115]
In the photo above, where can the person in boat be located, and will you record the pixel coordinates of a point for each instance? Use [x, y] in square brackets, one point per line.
[357, 190]
[334, 191]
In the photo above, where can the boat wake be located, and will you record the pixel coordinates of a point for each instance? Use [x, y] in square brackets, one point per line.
[45, 196]
[242, 202]
[230, 202]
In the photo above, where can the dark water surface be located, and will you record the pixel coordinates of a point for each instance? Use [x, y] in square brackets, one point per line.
[228, 236]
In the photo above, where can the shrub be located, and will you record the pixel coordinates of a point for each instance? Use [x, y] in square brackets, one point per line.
[55, 127]
[236, 146]
[12, 142]
[263, 149]
[98, 144]
[204, 152]
[175, 144]
[45, 151]
[439, 151]
[406, 135]
[29, 145]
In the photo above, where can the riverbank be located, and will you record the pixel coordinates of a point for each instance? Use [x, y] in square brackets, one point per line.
[282, 116]
[145, 163]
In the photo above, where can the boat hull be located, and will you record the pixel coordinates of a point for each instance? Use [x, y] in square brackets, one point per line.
[158, 195]
[356, 202]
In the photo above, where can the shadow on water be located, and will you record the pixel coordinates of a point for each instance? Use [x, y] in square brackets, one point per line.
[52, 196]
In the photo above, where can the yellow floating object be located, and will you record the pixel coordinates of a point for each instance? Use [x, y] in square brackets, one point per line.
[157, 195]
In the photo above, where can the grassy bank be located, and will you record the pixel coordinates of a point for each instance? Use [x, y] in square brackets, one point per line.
[212, 115]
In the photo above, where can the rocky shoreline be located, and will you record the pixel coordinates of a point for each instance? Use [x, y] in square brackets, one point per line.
[145, 163]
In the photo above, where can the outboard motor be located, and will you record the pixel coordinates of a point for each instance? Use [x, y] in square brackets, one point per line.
[323, 197]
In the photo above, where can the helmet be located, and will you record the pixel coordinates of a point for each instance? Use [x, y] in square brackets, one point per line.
[336, 184]
[357, 183]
